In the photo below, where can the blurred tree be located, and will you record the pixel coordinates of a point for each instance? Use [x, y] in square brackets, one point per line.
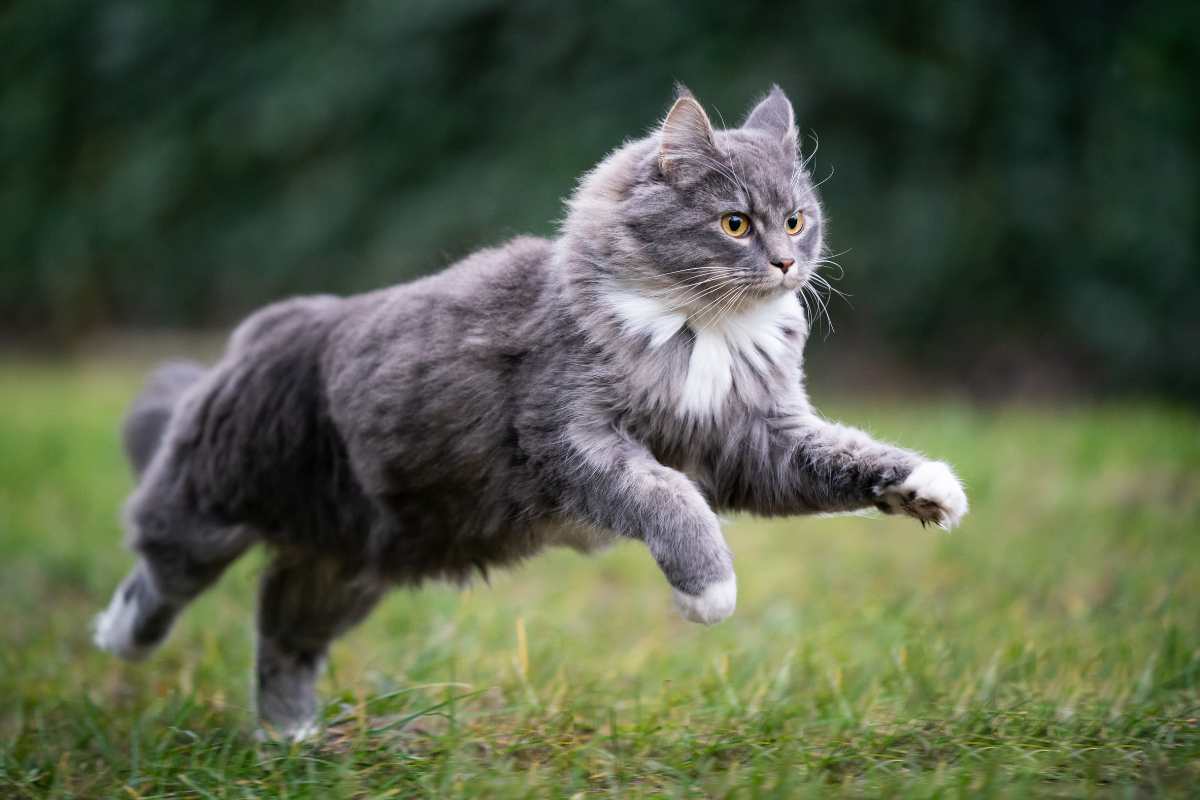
[1015, 182]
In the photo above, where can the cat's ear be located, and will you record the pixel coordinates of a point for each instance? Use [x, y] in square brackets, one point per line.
[686, 133]
[774, 115]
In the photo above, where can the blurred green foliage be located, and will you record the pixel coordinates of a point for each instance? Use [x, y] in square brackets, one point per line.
[1016, 184]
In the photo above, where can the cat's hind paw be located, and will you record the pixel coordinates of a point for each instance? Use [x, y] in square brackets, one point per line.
[931, 493]
[113, 628]
[296, 732]
[715, 603]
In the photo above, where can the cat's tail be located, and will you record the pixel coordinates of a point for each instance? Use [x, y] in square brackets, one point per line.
[151, 410]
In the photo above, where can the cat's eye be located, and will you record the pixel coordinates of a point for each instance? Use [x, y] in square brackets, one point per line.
[795, 223]
[735, 224]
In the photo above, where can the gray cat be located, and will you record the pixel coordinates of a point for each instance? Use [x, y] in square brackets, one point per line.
[626, 380]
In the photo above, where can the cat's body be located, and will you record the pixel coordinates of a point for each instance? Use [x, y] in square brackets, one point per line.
[626, 380]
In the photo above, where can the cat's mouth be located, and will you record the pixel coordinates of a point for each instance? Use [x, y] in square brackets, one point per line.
[774, 282]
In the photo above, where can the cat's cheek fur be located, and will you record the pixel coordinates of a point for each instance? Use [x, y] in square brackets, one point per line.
[930, 493]
[715, 603]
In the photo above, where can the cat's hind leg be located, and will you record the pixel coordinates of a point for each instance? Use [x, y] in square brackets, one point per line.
[181, 553]
[156, 590]
[304, 603]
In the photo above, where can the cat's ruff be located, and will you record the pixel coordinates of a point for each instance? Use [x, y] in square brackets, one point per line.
[725, 345]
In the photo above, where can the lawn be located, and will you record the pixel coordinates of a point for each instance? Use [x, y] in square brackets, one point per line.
[1050, 646]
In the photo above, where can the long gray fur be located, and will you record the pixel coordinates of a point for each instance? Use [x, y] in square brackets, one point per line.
[471, 418]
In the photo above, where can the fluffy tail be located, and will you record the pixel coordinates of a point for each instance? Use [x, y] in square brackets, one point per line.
[151, 410]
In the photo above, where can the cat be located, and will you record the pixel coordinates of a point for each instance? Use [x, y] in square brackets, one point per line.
[627, 380]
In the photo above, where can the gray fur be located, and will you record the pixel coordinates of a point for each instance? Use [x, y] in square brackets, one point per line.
[466, 420]
[151, 411]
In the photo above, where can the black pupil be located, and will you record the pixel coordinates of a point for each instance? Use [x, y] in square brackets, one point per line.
[792, 222]
[735, 223]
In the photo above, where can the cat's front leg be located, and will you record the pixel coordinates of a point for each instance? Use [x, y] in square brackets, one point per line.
[614, 483]
[844, 468]
[810, 465]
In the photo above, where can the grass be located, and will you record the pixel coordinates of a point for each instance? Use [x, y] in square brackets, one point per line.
[1050, 647]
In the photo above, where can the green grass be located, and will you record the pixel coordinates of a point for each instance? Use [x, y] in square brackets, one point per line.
[1050, 646]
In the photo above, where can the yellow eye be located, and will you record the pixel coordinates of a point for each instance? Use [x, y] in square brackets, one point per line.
[795, 223]
[735, 224]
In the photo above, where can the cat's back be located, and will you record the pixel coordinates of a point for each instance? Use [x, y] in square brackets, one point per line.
[488, 303]
[492, 291]
[435, 368]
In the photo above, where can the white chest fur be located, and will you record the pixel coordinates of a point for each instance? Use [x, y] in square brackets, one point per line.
[724, 351]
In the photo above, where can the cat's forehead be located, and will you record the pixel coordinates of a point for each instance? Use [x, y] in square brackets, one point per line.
[765, 167]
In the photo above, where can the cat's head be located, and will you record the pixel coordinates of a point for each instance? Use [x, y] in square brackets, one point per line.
[707, 218]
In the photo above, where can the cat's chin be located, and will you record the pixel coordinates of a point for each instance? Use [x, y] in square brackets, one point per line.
[775, 284]
[775, 289]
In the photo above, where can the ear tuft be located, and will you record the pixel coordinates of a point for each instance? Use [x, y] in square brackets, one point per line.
[685, 132]
[773, 114]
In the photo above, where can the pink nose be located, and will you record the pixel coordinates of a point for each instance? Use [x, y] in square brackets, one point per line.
[783, 263]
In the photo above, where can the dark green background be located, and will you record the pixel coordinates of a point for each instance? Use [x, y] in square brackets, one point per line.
[1016, 184]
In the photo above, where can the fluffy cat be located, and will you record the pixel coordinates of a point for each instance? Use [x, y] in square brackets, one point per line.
[625, 381]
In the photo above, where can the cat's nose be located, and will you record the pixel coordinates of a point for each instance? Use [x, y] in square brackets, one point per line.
[783, 263]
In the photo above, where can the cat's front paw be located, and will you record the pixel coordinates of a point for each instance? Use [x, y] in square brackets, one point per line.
[715, 603]
[930, 493]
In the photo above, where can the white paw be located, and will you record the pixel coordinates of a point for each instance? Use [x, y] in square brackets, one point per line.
[296, 732]
[715, 603]
[112, 629]
[931, 493]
